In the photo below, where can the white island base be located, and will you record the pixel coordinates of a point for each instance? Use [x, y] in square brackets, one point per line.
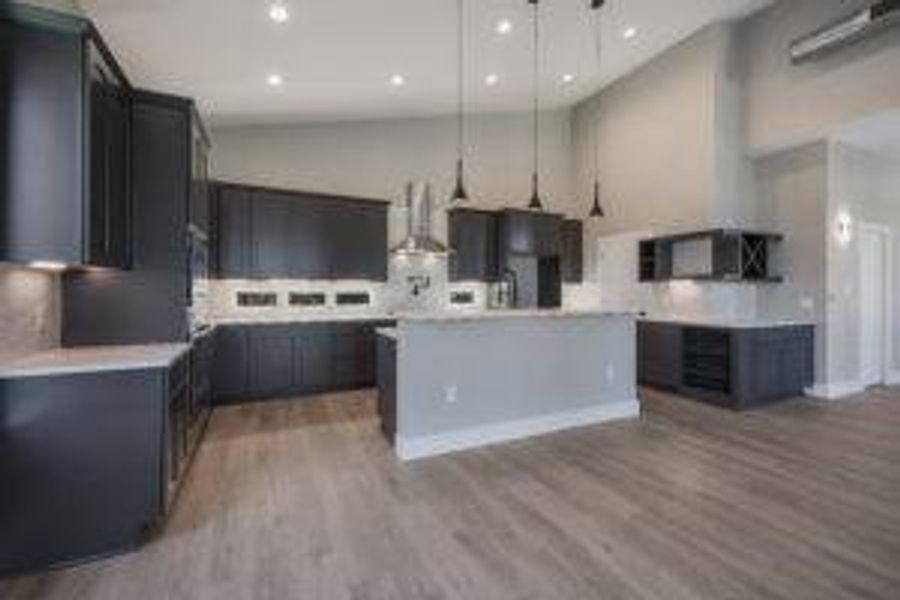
[463, 382]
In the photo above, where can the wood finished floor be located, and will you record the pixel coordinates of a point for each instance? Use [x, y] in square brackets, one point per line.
[303, 499]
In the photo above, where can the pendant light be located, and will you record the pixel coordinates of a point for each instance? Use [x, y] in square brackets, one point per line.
[535, 203]
[597, 211]
[459, 190]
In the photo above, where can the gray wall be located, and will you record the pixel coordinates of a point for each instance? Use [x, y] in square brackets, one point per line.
[29, 311]
[510, 369]
[655, 135]
[865, 185]
[794, 197]
[789, 105]
[376, 158]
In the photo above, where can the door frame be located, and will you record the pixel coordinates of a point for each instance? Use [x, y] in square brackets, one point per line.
[887, 349]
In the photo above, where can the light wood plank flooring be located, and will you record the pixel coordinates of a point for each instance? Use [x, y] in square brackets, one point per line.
[303, 499]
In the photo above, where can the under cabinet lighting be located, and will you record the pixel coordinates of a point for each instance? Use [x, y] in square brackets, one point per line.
[48, 265]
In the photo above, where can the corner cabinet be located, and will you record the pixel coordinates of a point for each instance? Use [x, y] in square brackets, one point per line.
[67, 192]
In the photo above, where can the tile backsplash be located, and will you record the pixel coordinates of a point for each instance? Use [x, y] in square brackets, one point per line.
[29, 311]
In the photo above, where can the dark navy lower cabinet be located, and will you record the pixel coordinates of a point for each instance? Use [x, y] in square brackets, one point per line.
[91, 461]
[262, 361]
[731, 367]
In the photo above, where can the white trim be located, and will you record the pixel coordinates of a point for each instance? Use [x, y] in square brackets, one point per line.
[887, 350]
[432, 445]
[835, 391]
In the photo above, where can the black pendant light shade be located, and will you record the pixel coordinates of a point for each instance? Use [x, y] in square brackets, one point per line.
[597, 209]
[535, 202]
[459, 190]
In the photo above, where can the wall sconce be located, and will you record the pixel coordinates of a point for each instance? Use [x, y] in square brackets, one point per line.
[843, 228]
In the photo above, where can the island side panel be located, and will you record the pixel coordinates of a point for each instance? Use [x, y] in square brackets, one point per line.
[463, 383]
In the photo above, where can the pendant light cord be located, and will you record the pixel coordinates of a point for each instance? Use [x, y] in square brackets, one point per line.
[535, 85]
[461, 81]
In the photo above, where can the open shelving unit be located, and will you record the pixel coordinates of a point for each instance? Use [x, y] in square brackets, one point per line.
[737, 256]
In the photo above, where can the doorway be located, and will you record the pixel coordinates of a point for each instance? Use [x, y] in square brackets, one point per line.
[874, 288]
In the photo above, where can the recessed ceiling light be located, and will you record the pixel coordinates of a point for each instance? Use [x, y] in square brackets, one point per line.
[398, 80]
[569, 78]
[629, 33]
[278, 12]
[275, 80]
[491, 79]
[504, 26]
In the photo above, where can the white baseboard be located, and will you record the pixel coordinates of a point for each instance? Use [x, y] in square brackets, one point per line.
[835, 391]
[432, 445]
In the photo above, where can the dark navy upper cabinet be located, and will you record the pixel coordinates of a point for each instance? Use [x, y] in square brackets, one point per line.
[200, 182]
[572, 255]
[530, 233]
[149, 302]
[65, 156]
[473, 239]
[263, 233]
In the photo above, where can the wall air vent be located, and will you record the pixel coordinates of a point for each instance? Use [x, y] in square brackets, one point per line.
[849, 29]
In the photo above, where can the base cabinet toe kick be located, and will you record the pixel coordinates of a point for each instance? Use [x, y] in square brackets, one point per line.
[734, 367]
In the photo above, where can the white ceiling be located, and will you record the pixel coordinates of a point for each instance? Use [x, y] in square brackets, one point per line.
[337, 56]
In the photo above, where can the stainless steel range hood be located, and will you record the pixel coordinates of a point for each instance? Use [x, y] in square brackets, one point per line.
[419, 240]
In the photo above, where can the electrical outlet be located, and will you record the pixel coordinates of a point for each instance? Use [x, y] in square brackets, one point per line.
[450, 394]
[610, 373]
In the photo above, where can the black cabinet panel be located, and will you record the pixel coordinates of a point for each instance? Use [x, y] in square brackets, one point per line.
[147, 303]
[254, 362]
[42, 153]
[572, 257]
[272, 360]
[231, 365]
[233, 233]
[280, 234]
[473, 239]
[733, 367]
[85, 453]
[359, 235]
[271, 248]
[310, 238]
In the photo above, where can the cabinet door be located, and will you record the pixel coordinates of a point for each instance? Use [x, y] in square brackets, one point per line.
[233, 226]
[360, 241]
[572, 252]
[314, 348]
[200, 186]
[271, 360]
[109, 164]
[310, 238]
[548, 234]
[472, 236]
[518, 232]
[231, 363]
[660, 354]
[271, 246]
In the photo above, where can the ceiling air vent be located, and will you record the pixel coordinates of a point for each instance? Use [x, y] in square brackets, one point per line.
[849, 29]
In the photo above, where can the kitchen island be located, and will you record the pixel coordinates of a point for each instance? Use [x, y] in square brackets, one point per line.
[453, 381]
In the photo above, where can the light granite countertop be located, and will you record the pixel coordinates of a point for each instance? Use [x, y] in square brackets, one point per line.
[754, 323]
[93, 359]
[312, 317]
[514, 314]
